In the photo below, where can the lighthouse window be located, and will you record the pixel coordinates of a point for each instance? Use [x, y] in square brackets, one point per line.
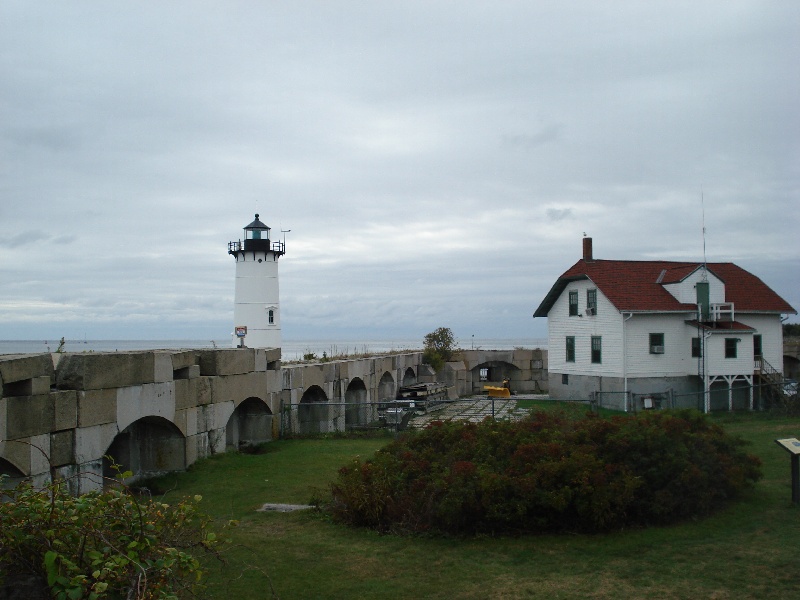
[271, 317]
[256, 234]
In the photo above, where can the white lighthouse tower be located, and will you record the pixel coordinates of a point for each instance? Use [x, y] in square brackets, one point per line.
[256, 311]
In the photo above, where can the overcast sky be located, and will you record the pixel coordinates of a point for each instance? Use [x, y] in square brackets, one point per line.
[437, 163]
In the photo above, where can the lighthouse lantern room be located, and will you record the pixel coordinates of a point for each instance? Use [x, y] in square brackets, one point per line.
[256, 310]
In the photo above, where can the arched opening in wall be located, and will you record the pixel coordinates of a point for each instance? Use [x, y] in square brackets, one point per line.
[249, 425]
[493, 373]
[15, 476]
[313, 412]
[356, 409]
[386, 388]
[148, 447]
[409, 377]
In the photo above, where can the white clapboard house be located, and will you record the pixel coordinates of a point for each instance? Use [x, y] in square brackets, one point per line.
[633, 333]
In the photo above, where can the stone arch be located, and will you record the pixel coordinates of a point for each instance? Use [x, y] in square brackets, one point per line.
[409, 377]
[493, 372]
[148, 447]
[250, 424]
[386, 387]
[15, 475]
[356, 409]
[313, 412]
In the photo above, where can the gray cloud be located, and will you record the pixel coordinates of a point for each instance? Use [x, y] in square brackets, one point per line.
[422, 157]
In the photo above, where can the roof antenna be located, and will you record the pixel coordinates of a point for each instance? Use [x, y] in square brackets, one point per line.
[703, 210]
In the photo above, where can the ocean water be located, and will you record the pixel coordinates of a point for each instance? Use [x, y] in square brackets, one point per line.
[291, 349]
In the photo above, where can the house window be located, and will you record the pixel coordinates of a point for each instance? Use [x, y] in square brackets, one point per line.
[757, 345]
[271, 317]
[570, 348]
[730, 347]
[697, 352]
[591, 302]
[656, 343]
[573, 303]
[564, 379]
[597, 349]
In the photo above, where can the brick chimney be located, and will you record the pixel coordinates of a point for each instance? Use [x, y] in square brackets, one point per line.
[587, 249]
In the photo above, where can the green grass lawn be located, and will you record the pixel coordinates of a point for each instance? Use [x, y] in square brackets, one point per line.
[747, 550]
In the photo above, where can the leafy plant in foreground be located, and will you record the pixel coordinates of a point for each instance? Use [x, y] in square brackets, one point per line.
[102, 544]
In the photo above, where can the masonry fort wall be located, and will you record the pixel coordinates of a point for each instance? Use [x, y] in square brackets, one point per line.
[60, 414]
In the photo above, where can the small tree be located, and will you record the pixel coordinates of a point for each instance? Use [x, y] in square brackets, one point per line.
[439, 347]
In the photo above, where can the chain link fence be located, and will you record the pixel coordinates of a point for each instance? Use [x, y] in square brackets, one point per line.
[740, 396]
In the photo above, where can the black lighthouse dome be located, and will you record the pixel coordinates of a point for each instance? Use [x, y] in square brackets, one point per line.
[256, 236]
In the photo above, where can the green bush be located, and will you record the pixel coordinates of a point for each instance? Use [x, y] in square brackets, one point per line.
[439, 346]
[547, 473]
[101, 544]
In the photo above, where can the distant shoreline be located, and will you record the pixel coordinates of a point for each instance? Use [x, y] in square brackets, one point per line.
[291, 349]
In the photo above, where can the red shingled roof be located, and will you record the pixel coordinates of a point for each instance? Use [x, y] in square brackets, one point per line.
[634, 286]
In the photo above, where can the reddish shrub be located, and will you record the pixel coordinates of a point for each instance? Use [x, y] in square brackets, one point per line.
[547, 473]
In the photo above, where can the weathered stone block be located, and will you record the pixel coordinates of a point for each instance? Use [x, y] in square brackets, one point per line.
[28, 387]
[221, 415]
[28, 416]
[96, 407]
[62, 447]
[191, 420]
[185, 392]
[329, 371]
[196, 448]
[260, 360]
[274, 381]
[344, 369]
[190, 372]
[65, 405]
[18, 453]
[40, 454]
[70, 475]
[233, 361]
[162, 366]
[383, 364]
[20, 368]
[308, 375]
[287, 378]
[91, 443]
[523, 354]
[181, 419]
[182, 360]
[149, 400]
[204, 385]
[237, 388]
[90, 477]
[523, 375]
[112, 369]
[205, 418]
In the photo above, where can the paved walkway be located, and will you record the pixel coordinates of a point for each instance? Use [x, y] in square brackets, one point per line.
[476, 409]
